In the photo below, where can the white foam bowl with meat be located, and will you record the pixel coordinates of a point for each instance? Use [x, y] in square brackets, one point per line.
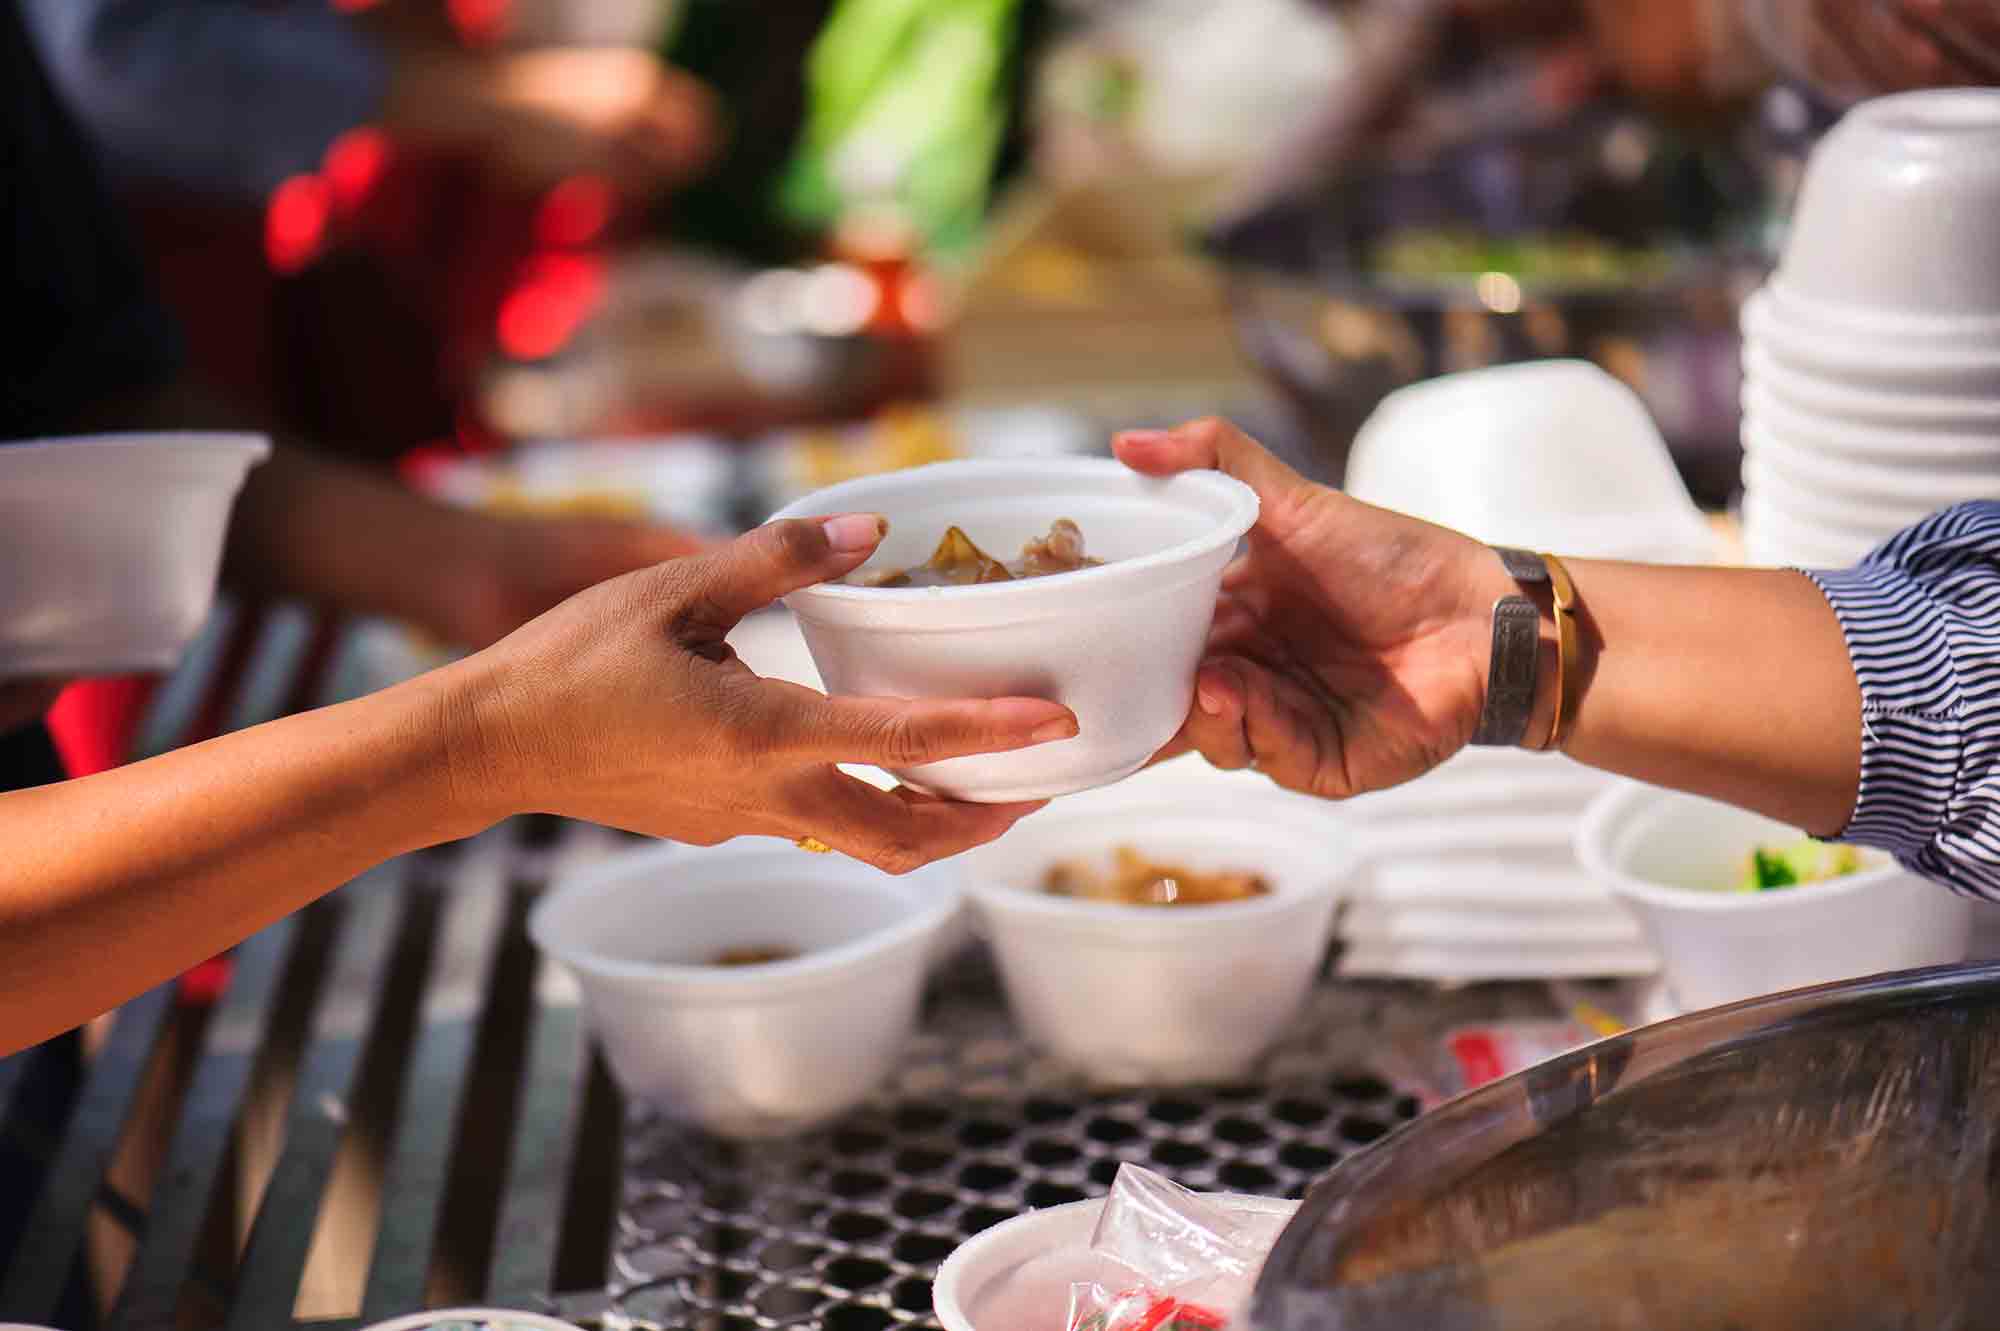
[112, 545]
[1142, 994]
[1117, 644]
[748, 1051]
[1018, 1274]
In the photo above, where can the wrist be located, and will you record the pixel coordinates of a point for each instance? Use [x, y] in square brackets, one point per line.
[1488, 582]
[480, 753]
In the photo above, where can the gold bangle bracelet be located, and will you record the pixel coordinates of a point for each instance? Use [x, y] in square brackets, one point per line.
[1567, 681]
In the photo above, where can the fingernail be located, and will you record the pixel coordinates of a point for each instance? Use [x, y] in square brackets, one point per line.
[1142, 436]
[1208, 701]
[855, 531]
[1063, 727]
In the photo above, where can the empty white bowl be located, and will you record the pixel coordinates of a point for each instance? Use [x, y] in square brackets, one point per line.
[1836, 399]
[1670, 856]
[1549, 454]
[112, 544]
[1018, 1273]
[1896, 210]
[1803, 468]
[1118, 645]
[1773, 537]
[1933, 450]
[748, 1051]
[1842, 510]
[1162, 994]
[1887, 358]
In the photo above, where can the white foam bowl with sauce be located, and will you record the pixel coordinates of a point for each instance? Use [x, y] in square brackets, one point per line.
[1118, 644]
[1017, 1274]
[1671, 858]
[112, 545]
[1163, 994]
[748, 1051]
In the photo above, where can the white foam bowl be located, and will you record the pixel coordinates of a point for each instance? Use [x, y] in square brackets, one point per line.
[1801, 467]
[1897, 206]
[112, 545]
[1889, 359]
[1118, 645]
[1935, 449]
[1774, 538]
[1844, 510]
[1550, 454]
[1153, 994]
[750, 1051]
[1017, 1274]
[1837, 400]
[1665, 853]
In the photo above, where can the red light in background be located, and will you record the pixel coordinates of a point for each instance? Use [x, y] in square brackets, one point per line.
[557, 293]
[480, 20]
[354, 166]
[574, 214]
[295, 223]
[535, 322]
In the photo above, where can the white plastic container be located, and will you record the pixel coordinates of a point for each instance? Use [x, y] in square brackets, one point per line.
[112, 544]
[1666, 854]
[1896, 210]
[1549, 454]
[1017, 1274]
[1118, 645]
[1162, 994]
[750, 1051]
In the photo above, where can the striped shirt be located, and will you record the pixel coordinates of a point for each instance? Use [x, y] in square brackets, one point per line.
[1921, 615]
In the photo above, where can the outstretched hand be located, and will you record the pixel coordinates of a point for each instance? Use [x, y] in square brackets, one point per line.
[1349, 649]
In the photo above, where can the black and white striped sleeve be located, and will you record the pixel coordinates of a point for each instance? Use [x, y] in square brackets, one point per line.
[1921, 615]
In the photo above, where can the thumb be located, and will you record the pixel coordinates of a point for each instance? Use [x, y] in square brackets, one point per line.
[757, 568]
[1212, 444]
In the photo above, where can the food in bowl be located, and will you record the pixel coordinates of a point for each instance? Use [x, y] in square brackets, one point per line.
[1135, 880]
[1803, 861]
[958, 562]
[754, 956]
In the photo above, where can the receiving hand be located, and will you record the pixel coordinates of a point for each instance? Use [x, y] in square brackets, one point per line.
[1349, 651]
[626, 706]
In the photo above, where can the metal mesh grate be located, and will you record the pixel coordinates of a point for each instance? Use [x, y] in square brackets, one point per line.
[845, 1228]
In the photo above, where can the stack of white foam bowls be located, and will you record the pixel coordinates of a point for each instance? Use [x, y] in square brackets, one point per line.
[1470, 873]
[1872, 357]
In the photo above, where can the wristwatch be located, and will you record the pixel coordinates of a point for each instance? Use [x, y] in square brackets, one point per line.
[1516, 662]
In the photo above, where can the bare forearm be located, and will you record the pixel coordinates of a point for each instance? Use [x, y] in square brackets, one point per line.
[1729, 683]
[116, 882]
[335, 534]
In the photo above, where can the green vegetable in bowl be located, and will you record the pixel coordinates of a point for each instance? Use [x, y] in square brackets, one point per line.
[1803, 861]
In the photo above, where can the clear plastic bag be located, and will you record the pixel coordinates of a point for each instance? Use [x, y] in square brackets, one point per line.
[1192, 1259]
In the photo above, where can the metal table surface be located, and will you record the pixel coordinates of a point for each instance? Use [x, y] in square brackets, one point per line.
[402, 1031]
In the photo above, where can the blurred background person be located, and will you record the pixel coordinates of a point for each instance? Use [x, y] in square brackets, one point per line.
[335, 199]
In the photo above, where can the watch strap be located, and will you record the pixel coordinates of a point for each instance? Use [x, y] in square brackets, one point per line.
[1511, 677]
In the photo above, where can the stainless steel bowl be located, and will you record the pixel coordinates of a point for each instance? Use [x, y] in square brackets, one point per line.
[1823, 1159]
